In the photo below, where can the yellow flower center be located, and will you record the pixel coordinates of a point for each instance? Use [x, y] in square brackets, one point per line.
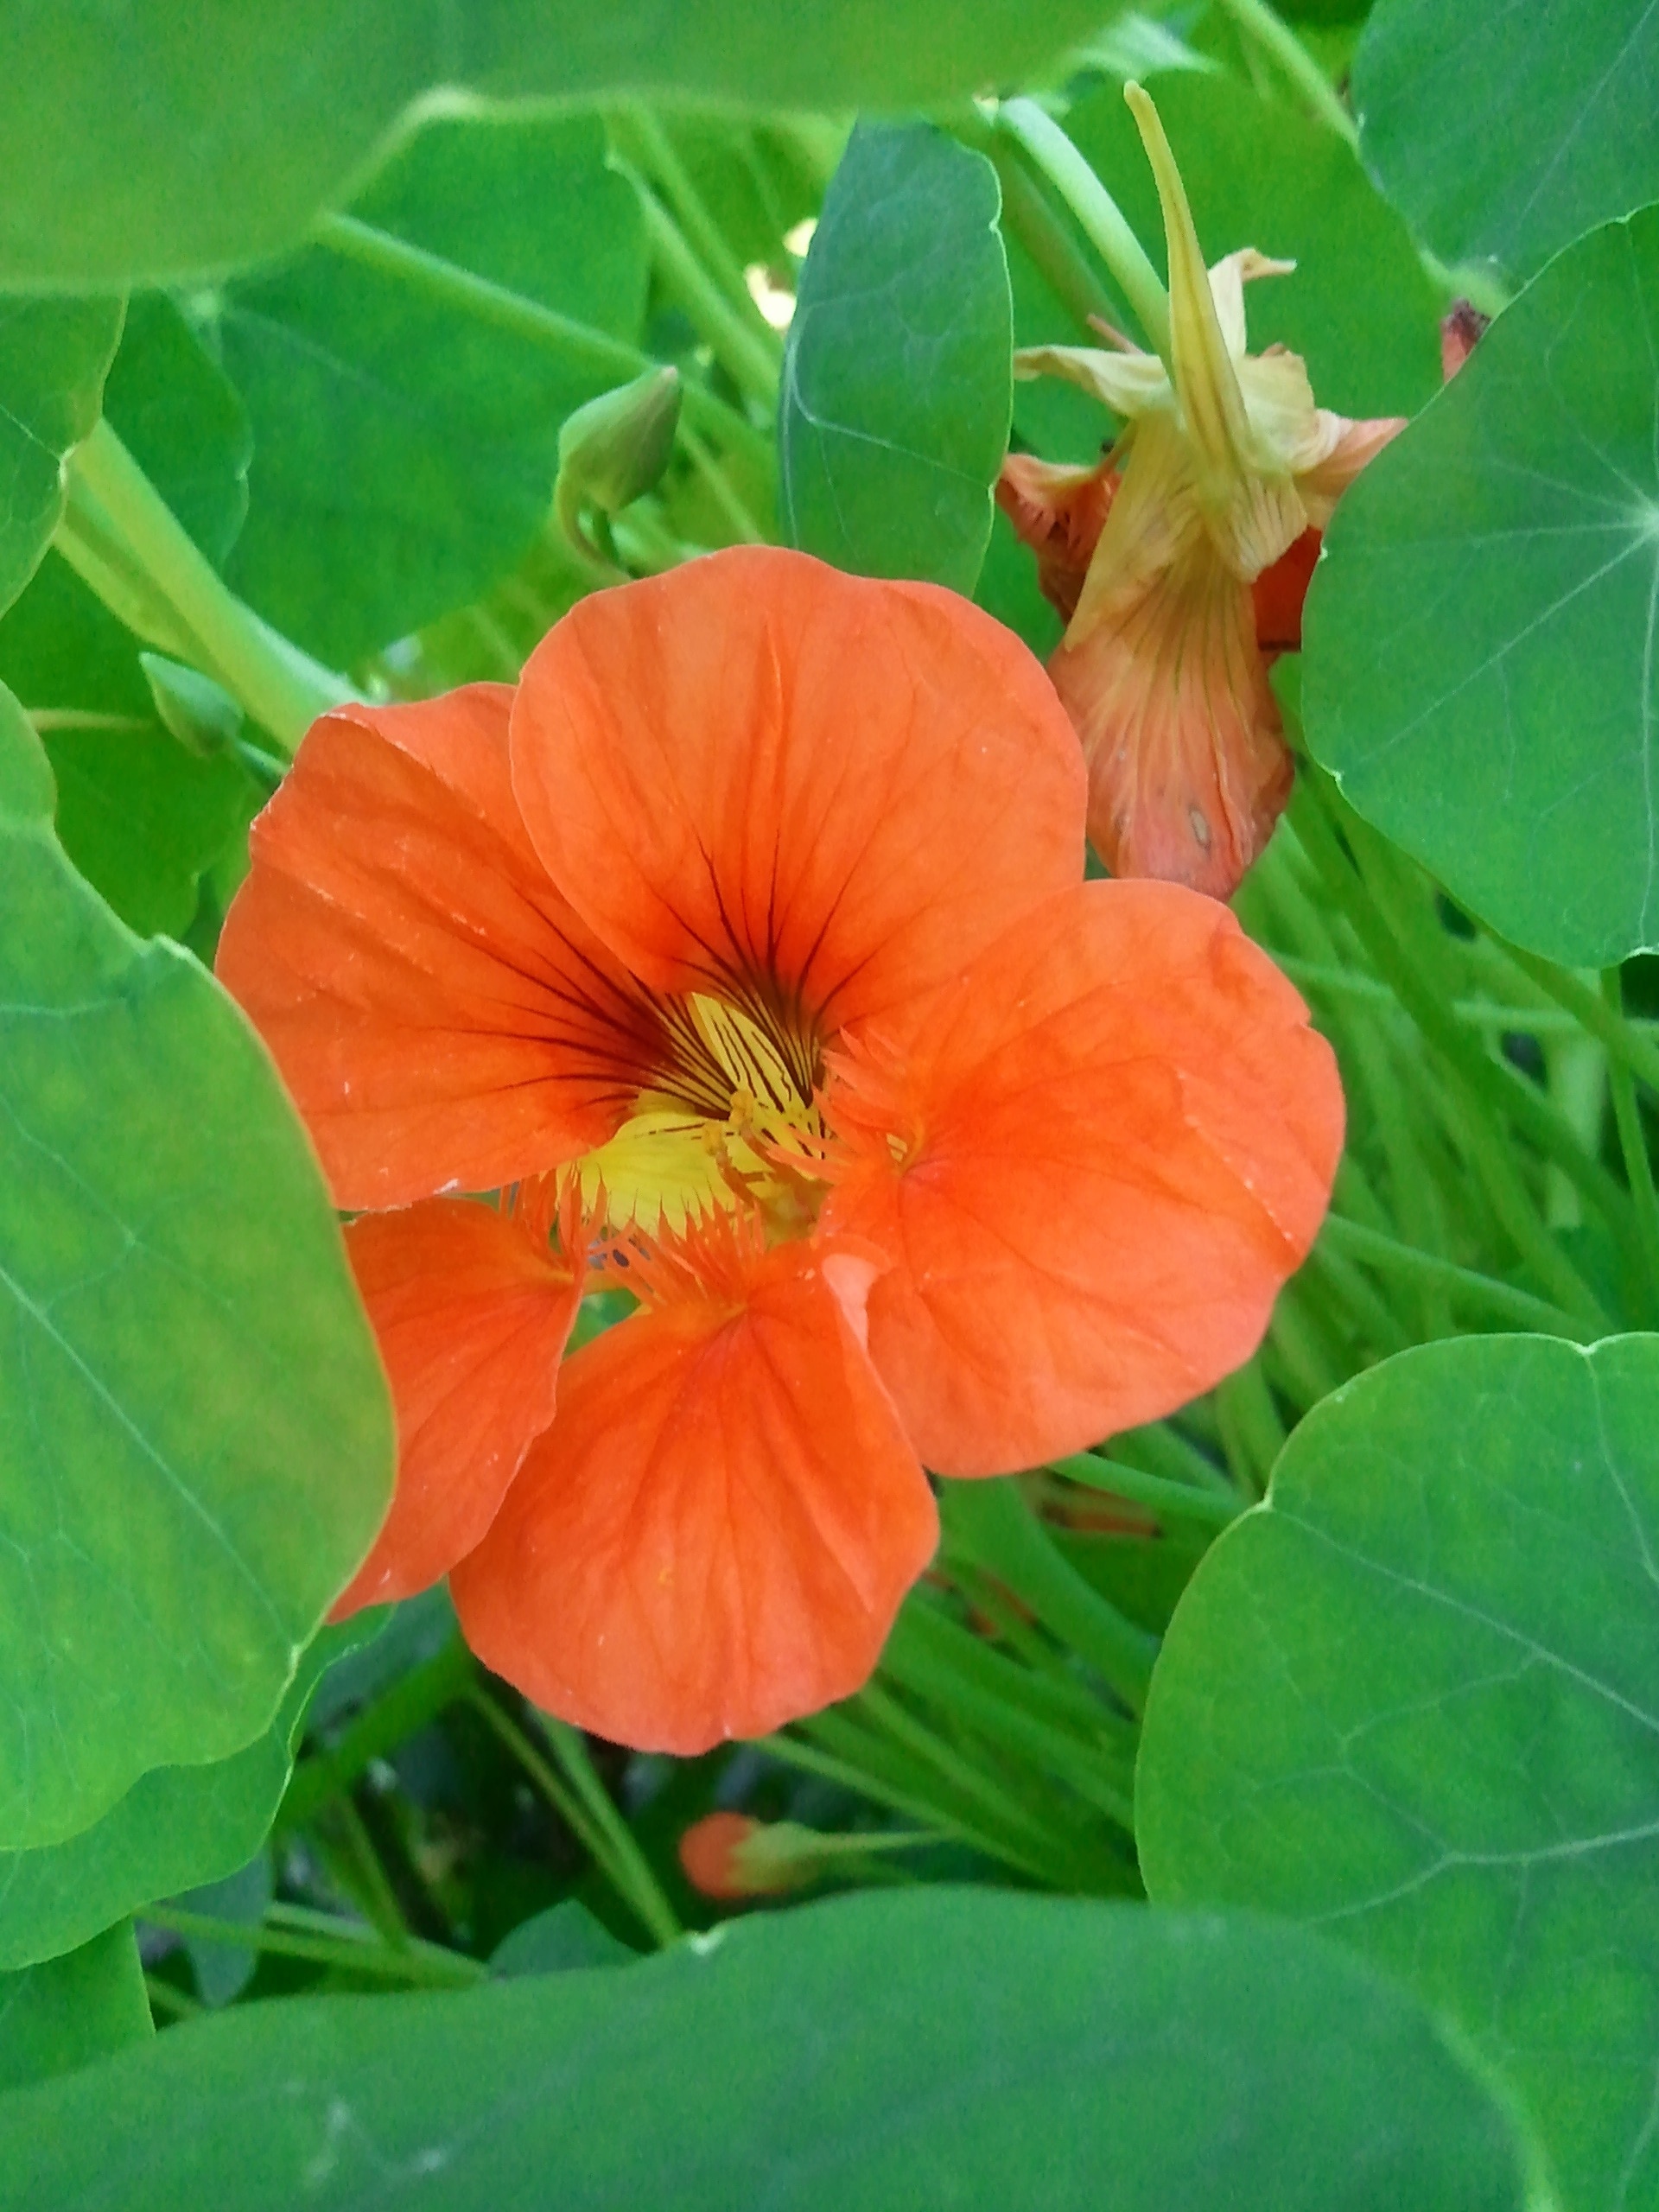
[730, 1122]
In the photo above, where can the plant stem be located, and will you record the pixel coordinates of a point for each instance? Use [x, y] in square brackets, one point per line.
[1052, 1856]
[1257, 23]
[1493, 1093]
[1041, 139]
[411, 1702]
[1485, 1293]
[642, 1890]
[857, 1765]
[362, 1874]
[1250, 1402]
[1164, 1451]
[993, 1524]
[423, 1964]
[1632, 1139]
[123, 539]
[643, 1899]
[488, 301]
[746, 530]
[1600, 1012]
[1170, 1501]
[1028, 214]
[177, 2004]
[513, 1738]
[1488, 1014]
[753, 365]
[924, 1655]
[648, 146]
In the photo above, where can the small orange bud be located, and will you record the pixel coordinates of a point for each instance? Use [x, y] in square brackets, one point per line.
[730, 1855]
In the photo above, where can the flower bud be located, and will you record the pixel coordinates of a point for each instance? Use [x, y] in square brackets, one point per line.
[730, 1855]
[616, 448]
[190, 706]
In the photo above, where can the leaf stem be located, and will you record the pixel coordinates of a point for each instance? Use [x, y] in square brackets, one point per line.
[1258, 23]
[1496, 1094]
[413, 1700]
[1483, 1293]
[1041, 139]
[424, 1964]
[1633, 1140]
[931, 1675]
[753, 365]
[642, 1890]
[746, 530]
[488, 301]
[1601, 1013]
[841, 1754]
[122, 538]
[645, 143]
[1051, 1858]
[993, 1524]
[1028, 214]
[1170, 1501]
[177, 2004]
[643, 1899]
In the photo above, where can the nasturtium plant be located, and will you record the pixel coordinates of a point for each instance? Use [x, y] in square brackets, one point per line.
[827, 911]
[1438, 1740]
[1481, 677]
[176, 1514]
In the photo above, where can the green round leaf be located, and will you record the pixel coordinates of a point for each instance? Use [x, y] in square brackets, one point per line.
[54, 355]
[177, 1829]
[1503, 133]
[1414, 1700]
[195, 1440]
[140, 818]
[163, 139]
[406, 448]
[897, 380]
[1479, 669]
[956, 2048]
[66, 2013]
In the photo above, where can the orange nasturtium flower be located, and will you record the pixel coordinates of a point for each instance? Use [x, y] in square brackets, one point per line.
[1180, 561]
[744, 953]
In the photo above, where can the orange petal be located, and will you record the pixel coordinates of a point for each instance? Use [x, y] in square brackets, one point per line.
[714, 1536]
[1352, 444]
[1098, 1160]
[1278, 593]
[471, 1309]
[755, 771]
[1059, 513]
[441, 1016]
[1168, 690]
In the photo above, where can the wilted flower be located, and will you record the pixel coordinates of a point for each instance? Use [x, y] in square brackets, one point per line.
[744, 953]
[1224, 471]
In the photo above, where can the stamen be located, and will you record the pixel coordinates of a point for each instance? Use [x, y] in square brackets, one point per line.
[727, 1128]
